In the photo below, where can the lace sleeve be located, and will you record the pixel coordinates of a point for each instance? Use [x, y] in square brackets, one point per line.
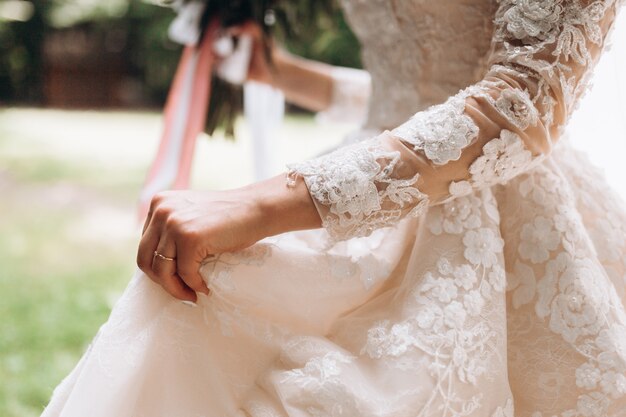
[350, 96]
[541, 57]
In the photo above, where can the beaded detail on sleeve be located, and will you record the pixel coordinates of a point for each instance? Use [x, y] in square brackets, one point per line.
[541, 57]
[441, 131]
[358, 189]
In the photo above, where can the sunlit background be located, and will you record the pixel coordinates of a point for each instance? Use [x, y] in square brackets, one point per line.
[81, 87]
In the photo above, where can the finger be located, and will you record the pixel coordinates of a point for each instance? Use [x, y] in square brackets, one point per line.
[175, 286]
[164, 259]
[188, 268]
[147, 246]
[146, 222]
[164, 267]
[154, 202]
[154, 226]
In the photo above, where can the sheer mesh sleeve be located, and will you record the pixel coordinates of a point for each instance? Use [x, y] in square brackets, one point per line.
[541, 57]
[350, 96]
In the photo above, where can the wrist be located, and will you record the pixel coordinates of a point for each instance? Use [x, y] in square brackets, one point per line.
[281, 208]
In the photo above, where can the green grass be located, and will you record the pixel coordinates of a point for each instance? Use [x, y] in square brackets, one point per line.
[68, 187]
[55, 294]
[59, 274]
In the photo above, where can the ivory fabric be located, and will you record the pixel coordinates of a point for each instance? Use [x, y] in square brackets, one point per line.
[471, 263]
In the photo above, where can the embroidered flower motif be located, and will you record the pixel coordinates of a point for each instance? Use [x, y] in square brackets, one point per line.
[465, 277]
[321, 390]
[532, 19]
[567, 221]
[482, 247]
[444, 266]
[443, 289]
[441, 131]
[352, 183]
[393, 341]
[473, 302]
[383, 340]
[580, 303]
[460, 188]
[613, 384]
[587, 376]
[518, 108]
[592, 405]
[538, 239]
[580, 24]
[503, 158]
[456, 216]
[430, 317]
[613, 340]
[454, 315]
[497, 278]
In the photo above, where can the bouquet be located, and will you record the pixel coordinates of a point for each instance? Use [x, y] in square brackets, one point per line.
[199, 99]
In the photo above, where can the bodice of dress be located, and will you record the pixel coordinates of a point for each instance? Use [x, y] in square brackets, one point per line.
[419, 52]
[530, 66]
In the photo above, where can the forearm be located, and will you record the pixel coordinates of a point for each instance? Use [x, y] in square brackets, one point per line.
[304, 82]
[283, 207]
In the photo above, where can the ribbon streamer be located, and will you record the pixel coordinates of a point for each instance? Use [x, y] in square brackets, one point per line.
[185, 116]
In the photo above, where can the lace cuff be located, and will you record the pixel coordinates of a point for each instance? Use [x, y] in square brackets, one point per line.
[488, 133]
[360, 188]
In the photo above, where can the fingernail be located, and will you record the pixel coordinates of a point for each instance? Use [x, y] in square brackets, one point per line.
[189, 303]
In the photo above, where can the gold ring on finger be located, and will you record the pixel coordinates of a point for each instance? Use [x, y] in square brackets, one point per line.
[165, 258]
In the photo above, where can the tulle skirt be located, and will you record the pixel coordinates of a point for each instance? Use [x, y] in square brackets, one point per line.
[509, 301]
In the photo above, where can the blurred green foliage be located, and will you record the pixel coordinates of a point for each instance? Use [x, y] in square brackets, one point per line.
[140, 31]
[69, 181]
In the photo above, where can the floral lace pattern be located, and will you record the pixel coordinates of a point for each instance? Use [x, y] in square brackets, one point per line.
[357, 184]
[505, 296]
[555, 274]
[541, 55]
[441, 132]
[447, 307]
[503, 159]
[320, 377]
[518, 108]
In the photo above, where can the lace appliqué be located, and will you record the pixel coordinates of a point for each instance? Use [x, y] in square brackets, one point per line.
[446, 329]
[565, 27]
[441, 132]
[456, 216]
[324, 392]
[503, 159]
[357, 187]
[571, 292]
[518, 108]
[529, 20]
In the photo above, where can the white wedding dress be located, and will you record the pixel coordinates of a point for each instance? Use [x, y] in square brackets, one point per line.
[471, 262]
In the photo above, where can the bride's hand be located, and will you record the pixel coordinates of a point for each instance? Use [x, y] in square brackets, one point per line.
[260, 68]
[183, 228]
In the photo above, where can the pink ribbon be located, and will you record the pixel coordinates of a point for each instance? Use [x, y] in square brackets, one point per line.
[184, 118]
